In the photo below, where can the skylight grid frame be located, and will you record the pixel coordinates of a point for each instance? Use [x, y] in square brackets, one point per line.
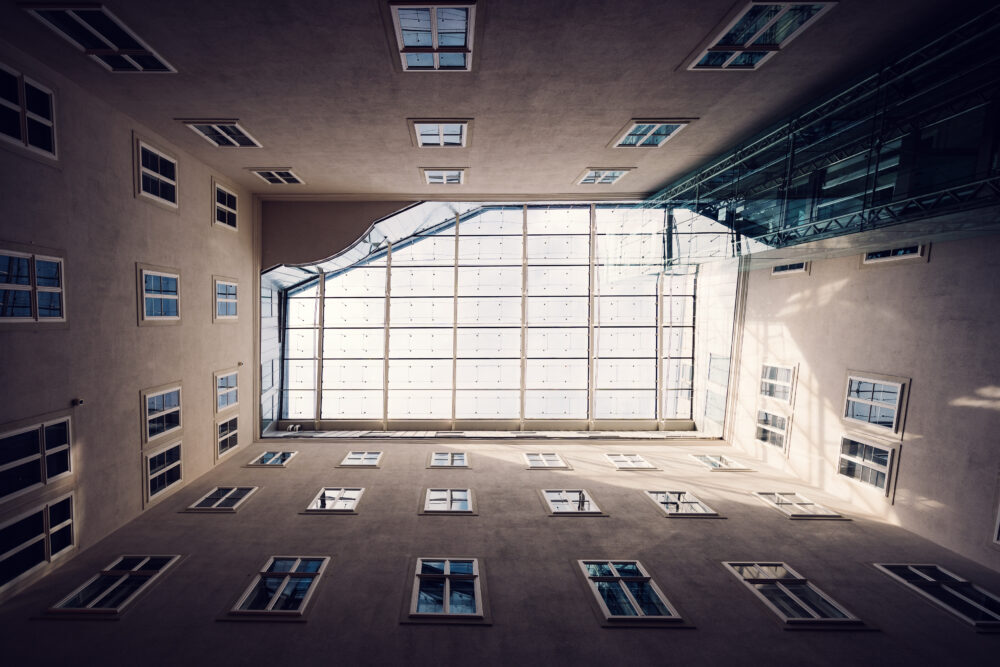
[434, 50]
[224, 133]
[31, 122]
[100, 43]
[746, 55]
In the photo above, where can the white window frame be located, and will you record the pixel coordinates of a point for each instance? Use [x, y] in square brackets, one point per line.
[229, 435]
[216, 206]
[543, 462]
[794, 505]
[216, 301]
[229, 492]
[425, 175]
[45, 536]
[123, 574]
[22, 109]
[726, 464]
[752, 582]
[153, 392]
[584, 497]
[340, 492]
[255, 461]
[888, 470]
[466, 124]
[274, 171]
[922, 587]
[287, 579]
[141, 144]
[217, 125]
[142, 270]
[33, 288]
[903, 386]
[434, 48]
[761, 380]
[147, 478]
[782, 432]
[685, 497]
[747, 47]
[630, 461]
[921, 255]
[600, 172]
[452, 457]
[619, 579]
[41, 455]
[635, 122]
[220, 392]
[447, 576]
[346, 463]
[451, 497]
[781, 270]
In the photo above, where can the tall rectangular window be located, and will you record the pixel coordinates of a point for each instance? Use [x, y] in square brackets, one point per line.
[867, 463]
[116, 586]
[283, 586]
[225, 206]
[227, 435]
[34, 455]
[161, 412]
[27, 112]
[31, 288]
[625, 591]
[790, 596]
[772, 429]
[156, 174]
[226, 390]
[37, 537]
[226, 299]
[971, 603]
[776, 382]
[447, 587]
[434, 37]
[163, 469]
[160, 295]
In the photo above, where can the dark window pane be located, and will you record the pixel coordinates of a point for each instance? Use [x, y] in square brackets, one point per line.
[262, 593]
[118, 63]
[14, 270]
[56, 464]
[156, 563]
[38, 101]
[61, 539]
[47, 273]
[19, 446]
[110, 30]
[56, 435]
[68, 25]
[9, 88]
[21, 531]
[50, 304]
[60, 511]
[20, 477]
[10, 122]
[293, 594]
[615, 599]
[119, 595]
[150, 63]
[18, 563]
[430, 596]
[647, 598]
[90, 592]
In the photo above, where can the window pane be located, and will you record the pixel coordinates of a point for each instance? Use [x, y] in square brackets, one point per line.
[816, 602]
[614, 598]
[780, 599]
[430, 596]
[463, 597]
[649, 601]
[262, 593]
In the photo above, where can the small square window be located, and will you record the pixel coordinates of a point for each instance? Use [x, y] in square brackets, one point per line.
[227, 435]
[226, 389]
[772, 429]
[156, 174]
[602, 175]
[625, 591]
[224, 208]
[31, 288]
[163, 469]
[159, 295]
[971, 603]
[434, 37]
[222, 133]
[454, 133]
[790, 596]
[335, 500]
[570, 502]
[362, 459]
[720, 463]
[443, 176]
[272, 460]
[283, 586]
[277, 175]
[680, 504]
[448, 501]
[777, 382]
[544, 460]
[876, 401]
[447, 588]
[223, 499]
[112, 589]
[449, 460]
[795, 506]
[630, 462]
[648, 133]
[34, 538]
[866, 462]
[226, 298]
[27, 113]
[161, 412]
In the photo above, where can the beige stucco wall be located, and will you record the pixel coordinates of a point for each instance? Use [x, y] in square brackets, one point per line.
[933, 322]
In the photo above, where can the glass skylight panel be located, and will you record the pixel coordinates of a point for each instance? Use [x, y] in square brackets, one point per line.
[759, 32]
[278, 176]
[102, 36]
[434, 37]
[602, 176]
[649, 134]
[223, 133]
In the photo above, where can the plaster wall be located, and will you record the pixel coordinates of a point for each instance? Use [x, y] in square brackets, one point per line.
[933, 322]
[540, 606]
[84, 207]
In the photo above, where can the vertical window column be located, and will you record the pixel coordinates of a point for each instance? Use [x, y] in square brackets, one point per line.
[298, 399]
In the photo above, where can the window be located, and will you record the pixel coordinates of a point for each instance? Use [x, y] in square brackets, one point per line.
[27, 113]
[786, 269]
[570, 502]
[436, 37]
[34, 455]
[962, 598]
[159, 295]
[101, 35]
[624, 590]
[795, 506]
[225, 206]
[283, 586]
[440, 132]
[222, 133]
[157, 175]
[449, 460]
[223, 499]
[875, 400]
[648, 133]
[788, 595]
[37, 537]
[278, 176]
[116, 586]
[455, 501]
[363, 459]
[630, 462]
[602, 176]
[760, 31]
[225, 298]
[718, 462]
[163, 469]
[31, 288]
[227, 435]
[772, 429]
[335, 500]
[910, 252]
[443, 176]
[161, 411]
[776, 382]
[447, 587]
[226, 390]
[272, 459]
[680, 504]
[867, 463]
[544, 460]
